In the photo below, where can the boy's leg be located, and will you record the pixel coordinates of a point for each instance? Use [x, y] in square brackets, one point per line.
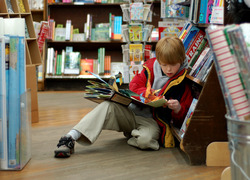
[146, 135]
[106, 115]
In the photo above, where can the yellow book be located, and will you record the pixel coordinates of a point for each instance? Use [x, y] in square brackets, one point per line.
[21, 6]
[135, 52]
[135, 32]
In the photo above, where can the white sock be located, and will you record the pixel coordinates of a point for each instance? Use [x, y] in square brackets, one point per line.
[74, 134]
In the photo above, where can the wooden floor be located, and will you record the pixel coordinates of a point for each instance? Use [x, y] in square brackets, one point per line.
[109, 158]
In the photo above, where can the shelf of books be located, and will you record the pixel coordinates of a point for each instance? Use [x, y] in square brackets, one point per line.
[205, 121]
[95, 37]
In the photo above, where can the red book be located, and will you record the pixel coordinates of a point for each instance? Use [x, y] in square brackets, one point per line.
[86, 65]
[44, 31]
[194, 45]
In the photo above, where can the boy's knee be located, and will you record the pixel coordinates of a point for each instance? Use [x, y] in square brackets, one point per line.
[143, 141]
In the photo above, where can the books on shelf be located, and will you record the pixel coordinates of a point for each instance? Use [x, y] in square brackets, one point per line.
[43, 34]
[228, 73]
[102, 32]
[188, 118]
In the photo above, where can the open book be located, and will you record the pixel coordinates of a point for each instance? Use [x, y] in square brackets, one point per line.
[101, 91]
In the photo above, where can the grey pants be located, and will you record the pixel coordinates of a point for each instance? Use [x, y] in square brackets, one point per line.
[142, 132]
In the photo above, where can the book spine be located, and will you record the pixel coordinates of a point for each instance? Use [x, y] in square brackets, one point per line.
[68, 30]
[197, 53]
[192, 33]
[14, 105]
[209, 11]
[22, 64]
[229, 72]
[203, 11]
[3, 107]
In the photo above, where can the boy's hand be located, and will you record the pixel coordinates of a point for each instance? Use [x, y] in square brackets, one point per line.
[174, 105]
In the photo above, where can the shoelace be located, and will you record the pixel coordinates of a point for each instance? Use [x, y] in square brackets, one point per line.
[67, 142]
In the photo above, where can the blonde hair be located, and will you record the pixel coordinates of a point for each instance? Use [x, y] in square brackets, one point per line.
[170, 50]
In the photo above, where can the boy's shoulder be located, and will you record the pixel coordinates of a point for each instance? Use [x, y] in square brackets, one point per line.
[150, 62]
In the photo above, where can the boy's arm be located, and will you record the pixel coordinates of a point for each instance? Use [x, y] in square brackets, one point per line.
[185, 103]
[138, 83]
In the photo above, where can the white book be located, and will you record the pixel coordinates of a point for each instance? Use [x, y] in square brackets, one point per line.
[3, 109]
[68, 30]
[48, 61]
[52, 54]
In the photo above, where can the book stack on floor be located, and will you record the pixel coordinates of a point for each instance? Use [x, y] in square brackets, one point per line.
[15, 142]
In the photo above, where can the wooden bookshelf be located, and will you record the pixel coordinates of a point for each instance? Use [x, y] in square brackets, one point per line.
[207, 124]
[33, 56]
[78, 14]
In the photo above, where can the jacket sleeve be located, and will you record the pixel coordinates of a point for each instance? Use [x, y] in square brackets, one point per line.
[138, 83]
[185, 103]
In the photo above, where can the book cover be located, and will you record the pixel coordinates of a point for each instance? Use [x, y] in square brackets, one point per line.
[60, 34]
[135, 52]
[188, 117]
[13, 105]
[135, 32]
[117, 27]
[9, 6]
[209, 11]
[102, 32]
[191, 49]
[86, 65]
[3, 109]
[72, 63]
[43, 34]
[177, 11]
[203, 11]
[192, 33]
[168, 28]
[197, 53]
[136, 11]
[236, 99]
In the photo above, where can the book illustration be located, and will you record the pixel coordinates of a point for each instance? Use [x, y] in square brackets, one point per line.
[209, 11]
[169, 28]
[177, 11]
[203, 11]
[136, 11]
[135, 52]
[135, 32]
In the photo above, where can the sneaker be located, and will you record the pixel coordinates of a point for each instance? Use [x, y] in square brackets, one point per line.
[65, 147]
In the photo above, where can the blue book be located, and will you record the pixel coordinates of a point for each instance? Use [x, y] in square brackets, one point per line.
[190, 36]
[203, 11]
[3, 110]
[22, 65]
[14, 105]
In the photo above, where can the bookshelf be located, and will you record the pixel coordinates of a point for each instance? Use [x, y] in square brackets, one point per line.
[33, 56]
[88, 49]
[208, 123]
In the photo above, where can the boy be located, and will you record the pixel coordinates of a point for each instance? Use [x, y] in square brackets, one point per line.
[143, 126]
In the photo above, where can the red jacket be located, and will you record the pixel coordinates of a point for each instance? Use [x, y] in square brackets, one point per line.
[175, 88]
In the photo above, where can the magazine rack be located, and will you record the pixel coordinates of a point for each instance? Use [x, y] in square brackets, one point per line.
[208, 123]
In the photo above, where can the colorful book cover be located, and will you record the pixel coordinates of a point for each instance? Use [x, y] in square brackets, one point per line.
[203, 11]
[136, 11]
[169, 28]
[209, 11]
[117, 27]
[86, 65]
[177, 11]
[72, 63]
[14, 105]
[43, 34]
[136, 52]
[194, 45]
[188, 117]
[192, 33]
[21, 6]
[3, 109]
[135, 32]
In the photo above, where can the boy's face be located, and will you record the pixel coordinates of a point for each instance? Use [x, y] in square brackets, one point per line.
[170, 69]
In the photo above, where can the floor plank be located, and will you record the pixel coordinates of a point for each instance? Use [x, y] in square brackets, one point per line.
[108, 158]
